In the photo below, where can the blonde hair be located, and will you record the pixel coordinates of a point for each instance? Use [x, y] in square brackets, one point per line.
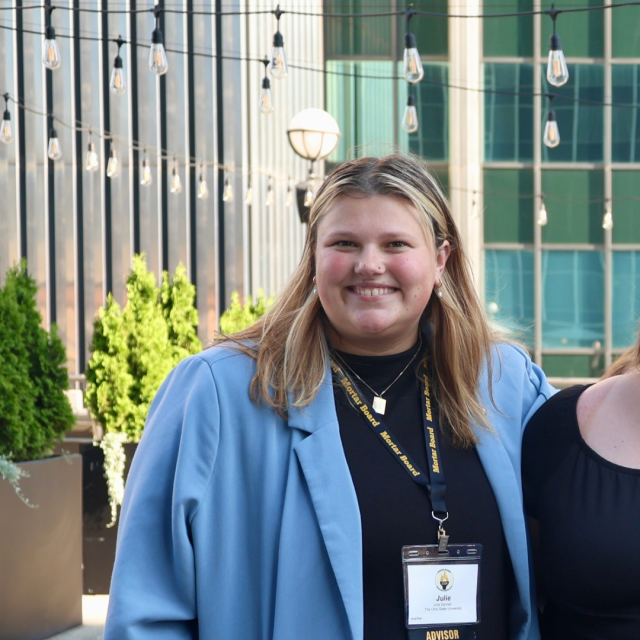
[289, 344]
[627, 362]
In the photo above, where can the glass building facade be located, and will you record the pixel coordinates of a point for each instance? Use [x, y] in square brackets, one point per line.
[570, 290]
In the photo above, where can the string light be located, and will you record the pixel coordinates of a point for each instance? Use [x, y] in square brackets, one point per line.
[227, 191]
[542, 218]
[551, 137]
[412, 64]
[91, 162]
[248, 199]
[176, 183]
[54, 150]
[309, 196]
[158, 62]
[6, 134]
[113, 165]
[145, 171]
[557, 70]
[203, 189]
[289, 199]
[474, 207]
[50, 51]
[607, 220]
[270, 195]
[117, 84]
[265, 104]
[410, 117]
[278, 66]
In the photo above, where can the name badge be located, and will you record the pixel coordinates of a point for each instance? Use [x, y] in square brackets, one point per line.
[442, 590]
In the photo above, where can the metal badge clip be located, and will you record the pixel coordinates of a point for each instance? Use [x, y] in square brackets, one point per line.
[443, 538]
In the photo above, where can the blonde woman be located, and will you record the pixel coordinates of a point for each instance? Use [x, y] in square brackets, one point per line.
[581, 472]
[348, 467]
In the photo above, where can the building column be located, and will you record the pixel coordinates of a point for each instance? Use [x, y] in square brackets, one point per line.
[465, 129]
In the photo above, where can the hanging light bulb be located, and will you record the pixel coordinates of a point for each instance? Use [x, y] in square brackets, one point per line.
[146, 177]
[6, 134]
[270, 195]
[117, 85]
[54, 150]
[278, 65]
[176, 183]
[50, 52]
[203, 189]
[91, 162]
[607, 220]
[227, 192]
[474, 207]
[289, 199]
[265, 104]
[410, 118]
[551, 136]
[412, 65]
[308, 197]
[248, 199]
[158, 62]
[542, 218]
[113, 166]
[557, 71]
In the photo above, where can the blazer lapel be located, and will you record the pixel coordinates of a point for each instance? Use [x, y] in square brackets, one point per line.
[334, 498]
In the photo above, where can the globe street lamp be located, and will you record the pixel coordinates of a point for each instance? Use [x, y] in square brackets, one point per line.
[313, 135]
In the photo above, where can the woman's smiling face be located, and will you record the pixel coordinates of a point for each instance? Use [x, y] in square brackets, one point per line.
[375, 272]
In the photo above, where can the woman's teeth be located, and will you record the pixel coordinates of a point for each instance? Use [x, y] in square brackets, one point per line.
[372, 292]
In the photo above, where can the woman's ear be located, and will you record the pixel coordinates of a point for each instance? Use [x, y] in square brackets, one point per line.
[442, 255]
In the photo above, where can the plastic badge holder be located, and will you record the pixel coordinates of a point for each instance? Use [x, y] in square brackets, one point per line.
[442, 590]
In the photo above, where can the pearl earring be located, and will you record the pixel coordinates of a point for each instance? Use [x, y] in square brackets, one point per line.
[438, 288]
[315, 289]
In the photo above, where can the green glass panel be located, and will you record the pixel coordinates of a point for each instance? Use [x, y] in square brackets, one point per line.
[508, 36]
[572, 299]
[508, 205]
[626, 32]
[442, 173]
[573, 366]
[581, 33]
[431, 140]
[625, 121]
[626, 298]
[626, 206]
[357, 36]
[581, 124]
[431, 32]
[349, 97]
[575, 206]
[509, 292]
[508, 119]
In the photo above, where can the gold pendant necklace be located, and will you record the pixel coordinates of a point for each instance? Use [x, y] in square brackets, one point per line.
[379, 404]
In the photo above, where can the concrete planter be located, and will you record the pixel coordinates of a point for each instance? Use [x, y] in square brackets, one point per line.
[41, 551]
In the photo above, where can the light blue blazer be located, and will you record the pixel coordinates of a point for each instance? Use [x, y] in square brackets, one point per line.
[240, 525]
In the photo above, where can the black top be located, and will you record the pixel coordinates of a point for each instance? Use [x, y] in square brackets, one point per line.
[395, 511]
[589, 514]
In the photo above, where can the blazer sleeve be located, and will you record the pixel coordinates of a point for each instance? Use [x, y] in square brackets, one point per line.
[153, 591]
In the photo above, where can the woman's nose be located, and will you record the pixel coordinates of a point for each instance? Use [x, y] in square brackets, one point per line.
[369, 262]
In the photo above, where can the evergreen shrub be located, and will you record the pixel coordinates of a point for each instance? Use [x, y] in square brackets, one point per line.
[132, 352]
[241, 316]
[34, 410]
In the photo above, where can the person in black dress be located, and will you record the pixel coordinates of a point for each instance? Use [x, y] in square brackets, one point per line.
[581, 480]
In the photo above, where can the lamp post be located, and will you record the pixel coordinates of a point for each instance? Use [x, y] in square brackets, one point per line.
[313, 135]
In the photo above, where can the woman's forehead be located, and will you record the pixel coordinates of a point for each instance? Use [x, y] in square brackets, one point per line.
[358, 211]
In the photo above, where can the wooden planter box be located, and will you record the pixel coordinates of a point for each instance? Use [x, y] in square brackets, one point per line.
[41, 551]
